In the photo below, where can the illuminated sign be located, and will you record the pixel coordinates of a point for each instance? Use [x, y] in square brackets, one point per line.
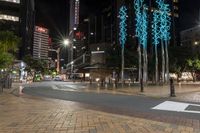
[79, 35]
[41, 29]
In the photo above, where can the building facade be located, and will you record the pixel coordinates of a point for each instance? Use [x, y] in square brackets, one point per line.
[41, 43]
[190, 37]
[10, 15]
[73, 24]
[27, 27]
[18, 16]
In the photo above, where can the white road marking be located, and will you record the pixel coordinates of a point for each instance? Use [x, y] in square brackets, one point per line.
[75, 86]
[176, 106]
[68, 87]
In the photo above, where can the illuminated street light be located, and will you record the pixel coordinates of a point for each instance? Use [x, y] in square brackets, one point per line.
[66, 42]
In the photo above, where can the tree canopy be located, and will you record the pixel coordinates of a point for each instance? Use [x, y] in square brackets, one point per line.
[8, 46]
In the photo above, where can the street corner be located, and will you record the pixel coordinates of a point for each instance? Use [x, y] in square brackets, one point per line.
[48, 115]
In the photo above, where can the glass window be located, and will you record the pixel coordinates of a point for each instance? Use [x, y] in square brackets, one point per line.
[14, 1]
[8, 17]
[175, 1]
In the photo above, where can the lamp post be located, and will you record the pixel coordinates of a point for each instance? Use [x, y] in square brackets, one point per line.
[58, 60]
[67, 42]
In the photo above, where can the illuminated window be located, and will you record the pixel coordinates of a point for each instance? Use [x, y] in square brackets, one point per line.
[8, 17]
[176, 15]
[175, 1]
[13, 1]
[175, 8]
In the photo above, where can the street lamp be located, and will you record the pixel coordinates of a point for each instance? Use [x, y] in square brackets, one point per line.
[66, 42]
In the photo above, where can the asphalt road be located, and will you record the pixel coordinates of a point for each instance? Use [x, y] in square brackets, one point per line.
[113, 103]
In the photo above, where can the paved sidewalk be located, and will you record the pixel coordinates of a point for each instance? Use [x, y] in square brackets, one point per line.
[27, 114]
[150, 90]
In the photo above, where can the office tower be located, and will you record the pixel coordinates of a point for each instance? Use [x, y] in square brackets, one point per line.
[18, 16]
[40, 43]
[73, 24]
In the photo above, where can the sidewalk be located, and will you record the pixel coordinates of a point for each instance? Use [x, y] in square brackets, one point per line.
[150, 90]
[27, 114]
[14, 89]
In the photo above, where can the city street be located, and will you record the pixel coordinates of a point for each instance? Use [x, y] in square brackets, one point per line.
[22, 113]
[129, 105]
[99, 66]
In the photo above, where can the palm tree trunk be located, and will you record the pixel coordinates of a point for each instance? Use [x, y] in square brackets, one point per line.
[156, 64]
[144, 65]
[163, 62]
[140, 63]
[167, 61]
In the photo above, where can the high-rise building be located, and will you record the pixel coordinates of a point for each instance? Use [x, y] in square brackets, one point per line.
[18, 16]
[73, 24]
[74, 15]
[10, 15]
[191, 37]
[27, 26]
[40, 44]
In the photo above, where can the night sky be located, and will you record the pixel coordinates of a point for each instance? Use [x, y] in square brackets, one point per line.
[54, 14]
[189, 13]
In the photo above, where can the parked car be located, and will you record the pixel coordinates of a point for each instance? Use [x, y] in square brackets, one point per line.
[58, 78]
[47, 77]
[37, 78]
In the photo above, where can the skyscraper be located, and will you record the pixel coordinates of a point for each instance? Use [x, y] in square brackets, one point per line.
[27, 26]
[18, 16]
[73, 24]
[74, 15]
[10, 15]
[41, 41]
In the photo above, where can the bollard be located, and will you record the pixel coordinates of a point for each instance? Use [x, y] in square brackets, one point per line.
[141, 85]
[20, 90]
[106, 85]
[114, 85]
[172, 89]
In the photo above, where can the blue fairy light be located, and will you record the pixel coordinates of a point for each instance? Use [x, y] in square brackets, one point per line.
[122, 25]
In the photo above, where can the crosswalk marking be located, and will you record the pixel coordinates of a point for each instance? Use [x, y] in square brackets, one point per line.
[176, 107]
